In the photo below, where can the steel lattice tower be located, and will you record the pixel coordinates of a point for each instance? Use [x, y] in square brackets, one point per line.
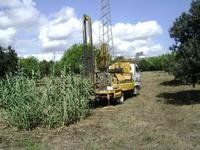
[105, 26]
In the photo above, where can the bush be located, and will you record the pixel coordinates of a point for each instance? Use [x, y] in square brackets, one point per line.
[61, 101]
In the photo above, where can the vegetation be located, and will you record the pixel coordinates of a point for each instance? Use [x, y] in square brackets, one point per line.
[186, 33]
[154, 63]
[160, 114]
[8, 61]
[46, 68]
[29, 65]
[60, 101]
[72, 58]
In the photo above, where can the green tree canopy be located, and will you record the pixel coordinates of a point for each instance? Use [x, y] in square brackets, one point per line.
[8, 61]
[71, 59]
[186, 33]
[29, 65]
[46, 67]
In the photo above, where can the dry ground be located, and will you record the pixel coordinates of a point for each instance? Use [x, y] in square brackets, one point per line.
[164, 116]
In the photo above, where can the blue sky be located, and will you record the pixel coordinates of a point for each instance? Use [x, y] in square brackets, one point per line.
[127, 12]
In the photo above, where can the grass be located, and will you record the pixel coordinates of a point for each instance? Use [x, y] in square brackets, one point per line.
[142, 122]
[29, 144]
[59, 102]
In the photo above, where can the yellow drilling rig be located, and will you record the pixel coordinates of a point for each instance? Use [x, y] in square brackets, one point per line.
[110, 81]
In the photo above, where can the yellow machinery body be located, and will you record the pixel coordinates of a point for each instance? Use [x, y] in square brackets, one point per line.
[110, 81]
[121, 74]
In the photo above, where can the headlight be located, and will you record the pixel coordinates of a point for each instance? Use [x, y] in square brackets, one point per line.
[109, 88]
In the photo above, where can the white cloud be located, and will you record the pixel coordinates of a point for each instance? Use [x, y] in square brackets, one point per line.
[17, 16]
[18, 13]
[61, 32]
[7, 36]
[141, 30]
[63, 29]
[132, 38]
[66, 29]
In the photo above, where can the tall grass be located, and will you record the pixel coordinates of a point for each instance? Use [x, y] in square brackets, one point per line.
[59, 101]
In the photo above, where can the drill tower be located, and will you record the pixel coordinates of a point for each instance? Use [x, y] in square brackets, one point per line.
[105, 26]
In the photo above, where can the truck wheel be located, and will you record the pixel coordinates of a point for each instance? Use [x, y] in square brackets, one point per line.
[136, 90]
[121, 99]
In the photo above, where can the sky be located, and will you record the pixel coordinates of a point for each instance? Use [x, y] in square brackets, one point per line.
[41, 27]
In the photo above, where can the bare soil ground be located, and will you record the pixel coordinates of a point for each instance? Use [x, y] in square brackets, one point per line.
[164, 116]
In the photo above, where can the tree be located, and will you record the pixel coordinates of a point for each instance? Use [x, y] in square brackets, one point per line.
[186, 33]
[71, 59]
[46, 68]
[29, 65]
[57, 68]
[8, 61]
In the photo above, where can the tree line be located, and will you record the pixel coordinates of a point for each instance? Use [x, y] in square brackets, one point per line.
[10, 63]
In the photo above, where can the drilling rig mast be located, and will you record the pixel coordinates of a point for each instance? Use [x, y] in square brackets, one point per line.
[105, 26]
[110, 81]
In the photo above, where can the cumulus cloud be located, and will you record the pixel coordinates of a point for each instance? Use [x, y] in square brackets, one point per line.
[65, 29]
[141, 30]
[17, 13]
[17, 16]
[132, 38]
[7, 36]
[62, 31]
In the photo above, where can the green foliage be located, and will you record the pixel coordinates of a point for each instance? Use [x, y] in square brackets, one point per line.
[153, 63]
[46, 68]
[71, 59]
[70, 62]
[29, 65]
[61, 101]
[57, 67]
[21, 101]
[186, 33]
[66, 100]
[8, 61]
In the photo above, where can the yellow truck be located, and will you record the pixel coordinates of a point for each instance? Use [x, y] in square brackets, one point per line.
[109, 81]
[124, 77]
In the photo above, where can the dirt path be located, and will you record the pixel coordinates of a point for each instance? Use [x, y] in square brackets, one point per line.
[163, 116]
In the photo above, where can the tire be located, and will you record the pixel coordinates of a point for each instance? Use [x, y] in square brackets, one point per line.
[136, 90]
[121, 99]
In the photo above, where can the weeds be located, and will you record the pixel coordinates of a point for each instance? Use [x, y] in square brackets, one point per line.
[60, 101]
